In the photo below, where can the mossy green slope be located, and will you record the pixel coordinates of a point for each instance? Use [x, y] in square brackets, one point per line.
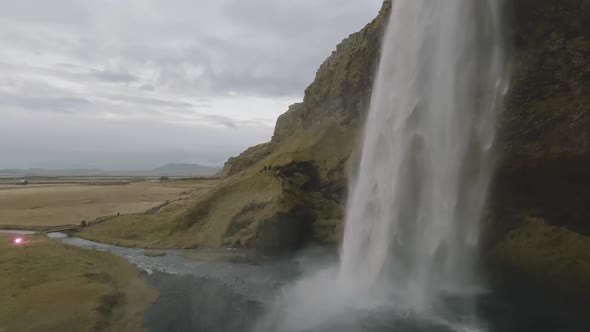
[546, 254]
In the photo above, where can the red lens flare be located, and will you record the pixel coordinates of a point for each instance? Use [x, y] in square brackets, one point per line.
[18, 240]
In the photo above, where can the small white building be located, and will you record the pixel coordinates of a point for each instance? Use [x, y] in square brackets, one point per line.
[22, 182]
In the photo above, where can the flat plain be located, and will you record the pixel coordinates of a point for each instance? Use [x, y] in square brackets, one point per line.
[63, 201]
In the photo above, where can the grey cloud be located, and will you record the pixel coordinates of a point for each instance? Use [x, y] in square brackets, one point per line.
[59, 104]
[148, 87]
[116, 77]
[46, 103]
[223, 120]
[273, 47]
[70, 72]
[68, 12]
[149, 101]
[170, 60]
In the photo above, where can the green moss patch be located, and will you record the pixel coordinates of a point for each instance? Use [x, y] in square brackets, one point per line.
[549, 254]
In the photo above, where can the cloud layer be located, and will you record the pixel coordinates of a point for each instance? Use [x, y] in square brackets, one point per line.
[137, 83]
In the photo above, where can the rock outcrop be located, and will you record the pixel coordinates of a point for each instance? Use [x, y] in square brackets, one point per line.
[285, 193]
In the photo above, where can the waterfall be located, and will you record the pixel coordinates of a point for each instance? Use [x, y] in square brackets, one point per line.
[413, 213]
[412, 217]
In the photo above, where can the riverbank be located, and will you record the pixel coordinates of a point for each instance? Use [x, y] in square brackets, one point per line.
[50, 286]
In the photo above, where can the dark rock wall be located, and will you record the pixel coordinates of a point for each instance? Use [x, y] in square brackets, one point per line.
[540, 206]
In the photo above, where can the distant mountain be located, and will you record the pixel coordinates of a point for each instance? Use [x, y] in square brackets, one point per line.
[187, 170]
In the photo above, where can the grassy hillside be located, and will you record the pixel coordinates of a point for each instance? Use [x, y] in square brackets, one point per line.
[47, 286]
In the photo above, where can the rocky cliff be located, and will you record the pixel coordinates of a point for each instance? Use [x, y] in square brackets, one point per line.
[540, 222]
[339, 95]
[290, 191]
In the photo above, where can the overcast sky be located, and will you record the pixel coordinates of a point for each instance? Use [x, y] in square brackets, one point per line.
[122, 84]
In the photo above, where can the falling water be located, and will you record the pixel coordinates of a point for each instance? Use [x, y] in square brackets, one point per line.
[413, 213]
[412, 220]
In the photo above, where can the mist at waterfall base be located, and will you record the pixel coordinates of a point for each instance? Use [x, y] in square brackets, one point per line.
[412, 217]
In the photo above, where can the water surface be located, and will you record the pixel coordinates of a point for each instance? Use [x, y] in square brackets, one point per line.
[227, 296]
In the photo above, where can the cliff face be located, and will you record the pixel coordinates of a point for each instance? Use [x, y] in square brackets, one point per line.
[289, 191]
[282, 194]
[540, 204]
[339, 95]
[547, 111]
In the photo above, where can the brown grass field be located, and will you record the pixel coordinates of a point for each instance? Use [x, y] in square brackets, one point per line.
[69, 201]
[48, 286]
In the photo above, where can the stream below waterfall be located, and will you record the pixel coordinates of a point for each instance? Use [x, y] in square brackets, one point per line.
[198, 295]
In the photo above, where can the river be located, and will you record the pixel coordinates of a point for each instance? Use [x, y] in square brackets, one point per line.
[234, 294]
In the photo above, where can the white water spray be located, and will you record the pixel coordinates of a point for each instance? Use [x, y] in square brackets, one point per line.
[413, 213]
[412, 221]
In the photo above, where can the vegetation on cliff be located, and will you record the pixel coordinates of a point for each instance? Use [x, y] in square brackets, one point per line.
[546, 254]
